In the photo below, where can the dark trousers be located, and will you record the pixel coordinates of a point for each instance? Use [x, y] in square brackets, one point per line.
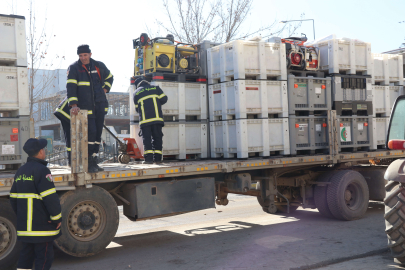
[152, 137]
[41, 253]
[96, 123]
[66, 132]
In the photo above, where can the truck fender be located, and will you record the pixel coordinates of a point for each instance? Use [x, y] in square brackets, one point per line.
[395, 171]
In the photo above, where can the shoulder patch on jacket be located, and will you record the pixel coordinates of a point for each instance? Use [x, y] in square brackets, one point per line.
[49, 177]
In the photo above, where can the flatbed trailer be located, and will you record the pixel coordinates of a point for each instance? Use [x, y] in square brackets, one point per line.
[340, 185]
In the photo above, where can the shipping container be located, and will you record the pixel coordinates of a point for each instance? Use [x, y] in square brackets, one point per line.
[246, 59]
[387, 68]
[238, 99]
[380, 128]
[309, 94]
[348, 88]
[249, 137]
[356, 133]
[14, 91]
[309, 135]
[13, 50]
[347, 56]
[384, 98]
[14, 132]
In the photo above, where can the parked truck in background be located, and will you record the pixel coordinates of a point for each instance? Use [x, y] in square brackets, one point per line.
[339, 184]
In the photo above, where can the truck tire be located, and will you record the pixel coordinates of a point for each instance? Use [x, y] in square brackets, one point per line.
[347, 195]
[395, 219]
[321, 202]
[90, 221]
[9, 247]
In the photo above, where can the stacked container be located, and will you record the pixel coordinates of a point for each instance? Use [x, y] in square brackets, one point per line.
[387, 78]
[14, 92]
[309, 99]
[248, 103]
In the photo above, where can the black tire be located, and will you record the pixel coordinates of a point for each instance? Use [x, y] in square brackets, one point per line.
[9, 246]
[395, 220]
[143, 39]
[321, 201]
[347, 195]
[90, 221]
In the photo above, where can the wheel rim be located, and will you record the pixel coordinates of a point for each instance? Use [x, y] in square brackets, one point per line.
[8, 237]
[352, 196]
[86, 221]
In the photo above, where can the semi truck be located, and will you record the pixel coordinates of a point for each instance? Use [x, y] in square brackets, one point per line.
[339, 185]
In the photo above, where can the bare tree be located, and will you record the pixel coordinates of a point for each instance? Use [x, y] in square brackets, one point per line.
[192, 21]
[41, 78]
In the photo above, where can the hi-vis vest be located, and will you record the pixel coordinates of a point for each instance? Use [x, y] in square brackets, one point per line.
[148, 101]
[34, 199]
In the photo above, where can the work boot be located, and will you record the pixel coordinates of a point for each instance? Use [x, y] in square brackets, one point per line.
[92, 168]
[95, 160]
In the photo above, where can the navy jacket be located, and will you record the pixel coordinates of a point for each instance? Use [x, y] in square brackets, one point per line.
[34, 200]
[85, 86]
[148, 101]
[62, 112]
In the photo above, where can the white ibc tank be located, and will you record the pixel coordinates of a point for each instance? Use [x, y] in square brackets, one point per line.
[13, 50]
[380, 128]
[246, 59]
[388, 68]
[346, 55]
[384, 98]
[241, 138]
[14, 93]
[180, 139]
[243, 97]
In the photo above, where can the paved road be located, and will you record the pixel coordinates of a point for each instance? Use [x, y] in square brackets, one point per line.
[242, 236]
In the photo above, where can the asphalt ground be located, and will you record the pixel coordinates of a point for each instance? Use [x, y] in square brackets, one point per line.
[241, 236]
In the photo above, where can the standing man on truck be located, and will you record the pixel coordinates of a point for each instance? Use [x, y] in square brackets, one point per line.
[148, 101]
[34, 200]
[88, 82]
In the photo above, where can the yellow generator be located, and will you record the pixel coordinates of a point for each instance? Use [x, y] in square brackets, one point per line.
[163, 54]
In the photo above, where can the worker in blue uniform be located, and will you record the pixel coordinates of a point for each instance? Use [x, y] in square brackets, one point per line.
[148, 101]
[88, 81]
[34, 200]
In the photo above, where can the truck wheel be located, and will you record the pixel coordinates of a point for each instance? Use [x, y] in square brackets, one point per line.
[90, 221]
[347, 195]
[321, 201]
[9, 247]
[395, 219]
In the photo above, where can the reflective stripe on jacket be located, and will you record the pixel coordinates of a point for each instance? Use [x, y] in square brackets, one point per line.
[148, 101]
[62, 112]
[81, 89]
[34, 200]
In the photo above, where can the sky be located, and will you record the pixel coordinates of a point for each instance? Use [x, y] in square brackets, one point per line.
[110, 26]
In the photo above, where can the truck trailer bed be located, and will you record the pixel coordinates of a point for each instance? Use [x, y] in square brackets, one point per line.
[114, 172]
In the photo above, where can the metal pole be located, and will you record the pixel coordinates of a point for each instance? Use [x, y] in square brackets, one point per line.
[313, 25]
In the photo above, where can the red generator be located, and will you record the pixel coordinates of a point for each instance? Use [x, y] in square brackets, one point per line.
[299, 56]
